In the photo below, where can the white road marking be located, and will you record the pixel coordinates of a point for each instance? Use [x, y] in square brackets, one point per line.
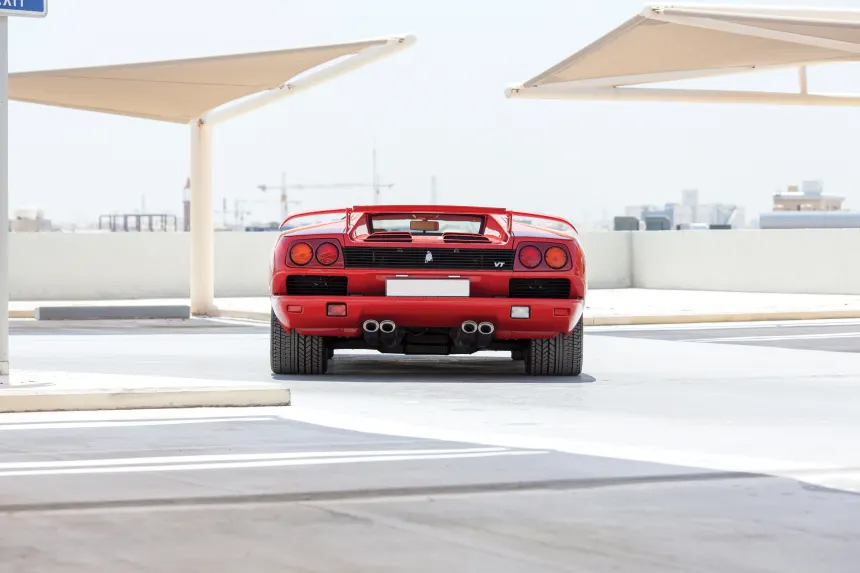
[98, 462]
[268, 463]
[726, 325]
[123, 423]
[815, 336]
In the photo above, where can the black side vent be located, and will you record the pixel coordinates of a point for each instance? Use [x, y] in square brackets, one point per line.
[464, 238]
[388, 237]
[539, 288]
[307, 285]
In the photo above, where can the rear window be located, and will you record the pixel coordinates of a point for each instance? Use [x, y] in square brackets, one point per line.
[434, 224]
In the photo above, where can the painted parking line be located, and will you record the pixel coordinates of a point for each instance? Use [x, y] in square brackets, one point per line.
[724, 325]
[243, 461]
[810, 336]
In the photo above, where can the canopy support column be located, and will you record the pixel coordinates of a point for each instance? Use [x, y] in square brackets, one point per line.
[202, 262]
[4, 199]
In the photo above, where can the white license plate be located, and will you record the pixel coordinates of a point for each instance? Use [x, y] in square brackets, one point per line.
[427, 287]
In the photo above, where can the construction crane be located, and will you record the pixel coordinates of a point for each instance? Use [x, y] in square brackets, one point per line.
[284, 187]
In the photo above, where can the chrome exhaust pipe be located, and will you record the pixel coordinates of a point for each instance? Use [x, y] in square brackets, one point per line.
[371, 332]
[486, 328]
[388, 333]
[464, 337]
[485, 334]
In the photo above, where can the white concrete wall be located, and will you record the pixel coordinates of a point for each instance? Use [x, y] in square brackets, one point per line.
[242, 263]
[814, 261]
[607, 258]
[96, 266]
[83, 266]
[93, 266]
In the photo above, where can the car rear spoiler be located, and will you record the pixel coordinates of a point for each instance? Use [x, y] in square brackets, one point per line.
[346, 212]
[450, 209]
[457, 209]
[563, 221]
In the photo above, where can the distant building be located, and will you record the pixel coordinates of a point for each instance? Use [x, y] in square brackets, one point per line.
[30, 220]
[690, 197]
[810, 220]
[689, 213]
[808, 208]
[810, 197]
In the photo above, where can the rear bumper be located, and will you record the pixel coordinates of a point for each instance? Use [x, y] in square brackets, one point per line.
[548, 317]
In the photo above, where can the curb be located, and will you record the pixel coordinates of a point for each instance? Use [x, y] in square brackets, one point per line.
[246, 314]
[118, 312]
[16, 401]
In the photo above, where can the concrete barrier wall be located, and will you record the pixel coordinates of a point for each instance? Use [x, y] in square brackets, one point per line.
[242, 263]
[84, 266]
[94, 266]
[814, 261]
[607, 258]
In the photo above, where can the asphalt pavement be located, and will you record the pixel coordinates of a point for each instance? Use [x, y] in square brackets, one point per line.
[258, 492]
[666, 455]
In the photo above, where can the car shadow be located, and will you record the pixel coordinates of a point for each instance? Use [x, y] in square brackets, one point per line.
[437, 369]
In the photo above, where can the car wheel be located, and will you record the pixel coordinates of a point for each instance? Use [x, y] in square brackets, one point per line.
[294, 353]
[559, 356]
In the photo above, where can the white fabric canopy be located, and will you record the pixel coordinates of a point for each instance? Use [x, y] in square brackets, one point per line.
[674, 42]
[178, 90]
[195, 91]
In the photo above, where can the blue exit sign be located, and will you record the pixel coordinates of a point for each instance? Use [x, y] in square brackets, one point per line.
[35, 8]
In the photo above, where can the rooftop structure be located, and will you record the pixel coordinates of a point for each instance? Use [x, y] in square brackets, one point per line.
[810, 197]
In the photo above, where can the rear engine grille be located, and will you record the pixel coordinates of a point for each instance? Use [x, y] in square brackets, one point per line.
[464, 238]
[389, 237]
[306, 285]
[539, 288]
[413, 258]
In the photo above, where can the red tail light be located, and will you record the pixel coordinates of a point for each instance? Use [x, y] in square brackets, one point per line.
[555, 257]
[327, 254]
[530, 256]
[301, 254]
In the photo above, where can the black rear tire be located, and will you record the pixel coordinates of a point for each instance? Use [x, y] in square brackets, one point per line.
[294, 353]
[559, 356]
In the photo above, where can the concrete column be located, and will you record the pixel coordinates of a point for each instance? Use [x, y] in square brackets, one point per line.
[4, 199]
[202, 227]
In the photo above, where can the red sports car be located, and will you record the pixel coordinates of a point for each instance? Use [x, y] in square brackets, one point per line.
[428, 279]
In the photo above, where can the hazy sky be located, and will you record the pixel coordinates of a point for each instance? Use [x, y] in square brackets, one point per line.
[435, 109]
